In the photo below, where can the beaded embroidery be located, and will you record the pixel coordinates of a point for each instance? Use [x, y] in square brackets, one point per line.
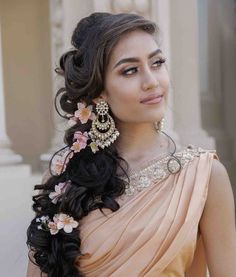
[158, 170]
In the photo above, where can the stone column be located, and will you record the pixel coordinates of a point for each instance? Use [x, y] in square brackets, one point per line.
[185, 74]
[7, 156]
[64, 15]
[136, 6]
[228, 99]
[57, 48]
[160, 13]
[73, 11]
[14, 197]
[228, 32]
[141, 7]
[217, 75]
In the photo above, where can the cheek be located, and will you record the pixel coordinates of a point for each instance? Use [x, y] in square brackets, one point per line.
[122, 98]
[165, 84]
[166, 79]
[121, 92]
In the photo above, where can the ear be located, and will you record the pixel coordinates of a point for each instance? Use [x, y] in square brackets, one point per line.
[102, 96]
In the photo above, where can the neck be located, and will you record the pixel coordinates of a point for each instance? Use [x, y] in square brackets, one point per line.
[139, 142]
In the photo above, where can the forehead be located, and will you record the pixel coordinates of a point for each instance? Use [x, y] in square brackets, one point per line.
[137, 43]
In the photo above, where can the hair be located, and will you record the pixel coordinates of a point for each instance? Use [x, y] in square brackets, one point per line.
[91, 175]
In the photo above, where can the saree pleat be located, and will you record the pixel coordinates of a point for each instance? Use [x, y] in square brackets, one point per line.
[154, 233]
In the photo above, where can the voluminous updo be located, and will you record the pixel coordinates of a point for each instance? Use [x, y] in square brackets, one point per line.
[94, 179]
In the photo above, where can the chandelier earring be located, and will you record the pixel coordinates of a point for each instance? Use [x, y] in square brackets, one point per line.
[159, 125]
[103, 131]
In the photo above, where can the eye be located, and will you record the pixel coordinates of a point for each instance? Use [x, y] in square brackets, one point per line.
[129, 71]
[159, 62]
[132, 70]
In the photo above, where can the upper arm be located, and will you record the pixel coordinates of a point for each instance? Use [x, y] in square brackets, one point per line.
[217, 224]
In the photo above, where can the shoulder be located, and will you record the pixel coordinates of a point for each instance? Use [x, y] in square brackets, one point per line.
[220, 188]
[217, 223]
[218, 173]
[220, 197]
[219, 178]
[191, 152]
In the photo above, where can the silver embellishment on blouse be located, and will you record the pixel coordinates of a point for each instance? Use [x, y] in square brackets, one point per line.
[158, 170]
[174, 165]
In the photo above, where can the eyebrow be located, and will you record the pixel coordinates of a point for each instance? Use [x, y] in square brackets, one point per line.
[134, 59]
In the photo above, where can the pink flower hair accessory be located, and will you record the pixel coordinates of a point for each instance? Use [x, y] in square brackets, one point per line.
[80, 139]
[60, 161]
[82, 114]
[81, 142]
[59, 190]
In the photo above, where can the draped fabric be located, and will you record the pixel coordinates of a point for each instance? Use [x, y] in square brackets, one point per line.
[155, 232]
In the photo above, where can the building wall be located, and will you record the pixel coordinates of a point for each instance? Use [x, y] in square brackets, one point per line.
[217, 44]
[28, 71]
[35, 33]
[27, 76]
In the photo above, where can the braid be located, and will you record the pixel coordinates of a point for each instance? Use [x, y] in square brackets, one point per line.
[81, 179]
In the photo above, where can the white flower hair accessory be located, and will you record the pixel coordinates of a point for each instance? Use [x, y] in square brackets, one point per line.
[43, 220]
[60, 221]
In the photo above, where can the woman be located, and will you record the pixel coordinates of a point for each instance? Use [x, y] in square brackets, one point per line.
[121, 200]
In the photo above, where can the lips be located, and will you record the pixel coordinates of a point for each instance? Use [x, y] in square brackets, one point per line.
[150, 97]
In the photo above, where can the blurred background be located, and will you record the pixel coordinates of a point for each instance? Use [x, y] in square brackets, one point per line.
[197, 36]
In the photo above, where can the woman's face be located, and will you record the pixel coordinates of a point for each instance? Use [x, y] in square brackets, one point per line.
[136, 75]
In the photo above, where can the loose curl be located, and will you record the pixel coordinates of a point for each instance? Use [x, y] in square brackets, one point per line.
[94, 178]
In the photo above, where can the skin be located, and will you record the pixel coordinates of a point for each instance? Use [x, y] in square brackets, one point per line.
[126, 84]
[217, 225]
[134, 121]
[139, 141]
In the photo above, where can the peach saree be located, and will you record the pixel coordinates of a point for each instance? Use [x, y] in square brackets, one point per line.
[155, 231]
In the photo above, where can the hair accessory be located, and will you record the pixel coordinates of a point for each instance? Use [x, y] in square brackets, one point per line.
[80, 141]
[103, 131]
[60, 161]
[83, 114]
[43, 220]
[60, 221]
[59, 191]
[159, 125]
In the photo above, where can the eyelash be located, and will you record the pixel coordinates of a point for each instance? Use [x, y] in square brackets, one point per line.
[160, 62]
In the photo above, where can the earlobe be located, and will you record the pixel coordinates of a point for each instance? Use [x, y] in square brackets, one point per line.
[99, 98]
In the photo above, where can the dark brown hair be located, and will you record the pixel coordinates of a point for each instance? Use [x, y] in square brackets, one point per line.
[91, 175]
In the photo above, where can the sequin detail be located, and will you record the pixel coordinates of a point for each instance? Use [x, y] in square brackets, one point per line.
[158, 170]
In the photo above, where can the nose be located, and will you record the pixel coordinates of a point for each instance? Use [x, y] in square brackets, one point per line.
[150, 80]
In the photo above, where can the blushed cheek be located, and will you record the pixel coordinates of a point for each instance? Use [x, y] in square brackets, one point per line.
[165, 83]
[119, 94]
[120, 103]
[121, 106]
[166, 78]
